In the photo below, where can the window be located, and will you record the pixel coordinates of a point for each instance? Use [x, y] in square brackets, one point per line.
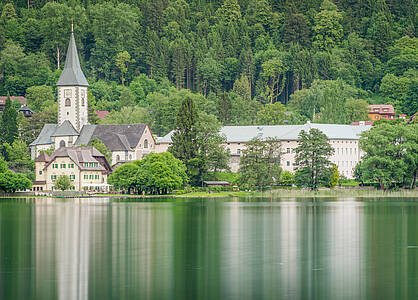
[239, 151]
[67, 102]
[70, 166]
[288, 150]
[86, 176]
[53, 177]
[91, 177]
[117, 158]
[62, 143]
[82, 101]
[96, 176]
[63, 166]
[145, 143]
[288, 163]
[72, 177]
[40, 172]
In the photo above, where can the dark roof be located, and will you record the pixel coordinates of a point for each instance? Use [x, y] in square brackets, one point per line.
[25, 108]
[118, 137]
[65, 129]
[43, 157]
[79, 155]
[72, 73]
[44, 137]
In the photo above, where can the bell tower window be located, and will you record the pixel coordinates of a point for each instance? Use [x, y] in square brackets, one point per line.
[67, 102]
[62, 143]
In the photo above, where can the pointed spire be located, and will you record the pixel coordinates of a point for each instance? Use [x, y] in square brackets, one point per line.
[72, 74]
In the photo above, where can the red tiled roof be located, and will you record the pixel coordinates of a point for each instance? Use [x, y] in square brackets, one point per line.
[381, 109]
[20, 98]
[101, 114]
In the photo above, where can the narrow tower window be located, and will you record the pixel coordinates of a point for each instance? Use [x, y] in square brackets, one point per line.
[145, 143]
[67, 102]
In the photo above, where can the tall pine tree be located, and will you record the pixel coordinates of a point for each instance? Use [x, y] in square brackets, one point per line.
[9, 130]
[184, 140]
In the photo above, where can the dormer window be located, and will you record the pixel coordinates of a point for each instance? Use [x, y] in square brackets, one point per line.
[67, 102]
[146, 143]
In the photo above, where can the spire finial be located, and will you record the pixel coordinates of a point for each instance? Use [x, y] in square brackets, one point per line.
[72, 25]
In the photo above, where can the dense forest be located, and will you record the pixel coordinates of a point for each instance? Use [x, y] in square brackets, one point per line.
[243, 61]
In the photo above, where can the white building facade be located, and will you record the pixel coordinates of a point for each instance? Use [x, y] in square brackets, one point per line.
[344, 139]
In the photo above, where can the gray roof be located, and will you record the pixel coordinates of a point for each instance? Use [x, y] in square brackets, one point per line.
[72, 73]
[120, 137]
[44, 137]
[65, 129]
[237, 134]
[79, 155]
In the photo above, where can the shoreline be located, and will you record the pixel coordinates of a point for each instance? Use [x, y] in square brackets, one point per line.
[277, 193]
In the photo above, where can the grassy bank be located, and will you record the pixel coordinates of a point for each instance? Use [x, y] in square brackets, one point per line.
[301, 193]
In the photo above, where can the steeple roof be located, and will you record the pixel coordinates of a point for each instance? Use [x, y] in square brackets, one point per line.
[72, 73]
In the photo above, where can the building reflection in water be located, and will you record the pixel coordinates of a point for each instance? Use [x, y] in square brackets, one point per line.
[82, 249]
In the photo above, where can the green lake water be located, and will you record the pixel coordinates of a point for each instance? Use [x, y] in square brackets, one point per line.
[324, 248]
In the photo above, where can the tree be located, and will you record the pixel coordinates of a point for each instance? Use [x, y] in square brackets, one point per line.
[391, 153]
[184, 139]
[328, 30]
[122, 61]
[287, 178]
[127, 115]
[157, 173]
[272, 114]
[101, 147]
[260, 163]
[39, 97]
[312, 156]
[9, 129]
[18, 158]
[63, 183]
[229, 13]
[356, 110]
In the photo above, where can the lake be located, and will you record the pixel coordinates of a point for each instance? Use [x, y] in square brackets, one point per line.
[286, 248]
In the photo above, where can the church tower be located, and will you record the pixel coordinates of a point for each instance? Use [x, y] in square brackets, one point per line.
[72, 90]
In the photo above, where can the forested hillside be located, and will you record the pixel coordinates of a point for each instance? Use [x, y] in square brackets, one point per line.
[245, 62]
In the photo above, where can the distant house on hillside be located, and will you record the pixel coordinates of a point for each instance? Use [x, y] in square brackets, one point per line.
[101, 114]
[381, 111]
[26, 111]
[3, 100]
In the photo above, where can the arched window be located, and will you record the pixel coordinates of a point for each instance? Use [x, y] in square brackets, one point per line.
[145, 143]
[62, 143]
[67, 102]
[117, 158]
[82, 101]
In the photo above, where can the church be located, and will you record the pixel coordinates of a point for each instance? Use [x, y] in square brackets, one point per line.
[127, 142]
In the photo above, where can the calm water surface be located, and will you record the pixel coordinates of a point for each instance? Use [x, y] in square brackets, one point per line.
[209, 249]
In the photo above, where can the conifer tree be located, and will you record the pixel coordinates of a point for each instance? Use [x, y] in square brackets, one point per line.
[9, 130]
[184, 138]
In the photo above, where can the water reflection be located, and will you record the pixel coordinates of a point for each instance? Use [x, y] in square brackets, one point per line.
[84, 249]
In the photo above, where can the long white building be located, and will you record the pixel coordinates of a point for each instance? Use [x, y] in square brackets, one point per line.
[343, 138]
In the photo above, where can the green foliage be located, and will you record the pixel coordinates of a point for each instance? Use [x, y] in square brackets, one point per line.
[272, 114]
[101, 147]
[287, 178]
[356, 110]
[327, 100]
[260, 163]
[11, 182]
[8, 124]
[312, 156]
[157, 173]
[232, 56]
[39, 97]
[63, 183]
[391, 154]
